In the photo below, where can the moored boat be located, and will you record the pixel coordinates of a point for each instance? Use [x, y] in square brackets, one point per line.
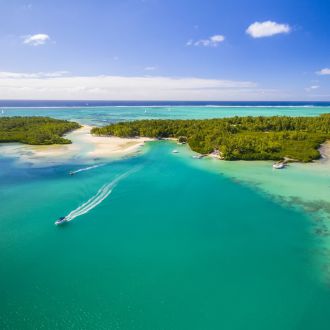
[278, 166]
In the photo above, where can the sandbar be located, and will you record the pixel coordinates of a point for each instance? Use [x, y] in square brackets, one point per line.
[84, 147]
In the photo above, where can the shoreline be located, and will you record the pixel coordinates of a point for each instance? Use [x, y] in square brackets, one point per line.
[325, 151]
[84, 146]
[107, 146]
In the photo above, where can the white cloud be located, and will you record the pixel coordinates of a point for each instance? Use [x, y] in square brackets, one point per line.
[267, 29]
[36, 39]
[325, 71]
[212, 41]
[58, 86]
[312, 88]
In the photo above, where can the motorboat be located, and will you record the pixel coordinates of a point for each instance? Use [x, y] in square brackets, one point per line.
[278, 166]
[175, 151]
[197, 156]
[60, 221]
[71, 173]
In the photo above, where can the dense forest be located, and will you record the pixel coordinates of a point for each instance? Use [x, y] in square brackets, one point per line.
[35, 130]
[246, 138]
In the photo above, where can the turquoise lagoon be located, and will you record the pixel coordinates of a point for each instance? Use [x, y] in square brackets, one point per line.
[161, 240]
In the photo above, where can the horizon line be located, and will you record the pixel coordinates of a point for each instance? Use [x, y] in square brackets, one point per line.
[147, 100]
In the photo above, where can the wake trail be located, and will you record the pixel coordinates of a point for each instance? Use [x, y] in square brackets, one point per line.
[86, 168]
[98, 198]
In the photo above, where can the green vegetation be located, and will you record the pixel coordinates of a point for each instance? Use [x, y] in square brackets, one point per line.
[247, 138]
[35, 130]
[182, 139]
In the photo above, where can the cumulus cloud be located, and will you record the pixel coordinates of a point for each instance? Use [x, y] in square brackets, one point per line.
[323, 72]
[267, 29]
[212, 41]
[36, 39]
[59, 86]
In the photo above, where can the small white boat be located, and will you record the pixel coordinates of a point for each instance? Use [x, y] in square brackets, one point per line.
[175, 151]
[278, 166]
[197, 156]
[60, 221]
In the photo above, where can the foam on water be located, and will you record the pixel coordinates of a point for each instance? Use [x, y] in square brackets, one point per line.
[98, 198]
[87, 168]
[189, 243]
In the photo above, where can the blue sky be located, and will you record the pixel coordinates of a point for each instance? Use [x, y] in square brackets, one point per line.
[166, 50]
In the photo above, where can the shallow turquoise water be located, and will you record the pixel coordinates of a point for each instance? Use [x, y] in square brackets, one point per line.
[175, 245]
[108, 114]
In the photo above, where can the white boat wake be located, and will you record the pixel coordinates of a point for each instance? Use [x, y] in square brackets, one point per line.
[86, 168]
[98, 198]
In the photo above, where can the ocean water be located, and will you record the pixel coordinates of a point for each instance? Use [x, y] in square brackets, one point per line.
[102, 115]
[161, 240]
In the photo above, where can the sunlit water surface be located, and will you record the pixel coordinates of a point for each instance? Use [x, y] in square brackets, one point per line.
[164, 241]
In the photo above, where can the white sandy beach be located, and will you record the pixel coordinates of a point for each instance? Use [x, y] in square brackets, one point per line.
[88, 147]
[325, 151]
[104, 147]
[85, 146]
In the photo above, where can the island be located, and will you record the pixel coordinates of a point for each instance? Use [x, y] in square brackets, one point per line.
[236, 138]
[35, 130]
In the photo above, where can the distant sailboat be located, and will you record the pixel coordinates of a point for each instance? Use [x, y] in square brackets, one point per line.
[2, 111]
[145, 110]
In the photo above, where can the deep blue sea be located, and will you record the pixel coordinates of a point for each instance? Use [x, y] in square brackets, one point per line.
[83, 103]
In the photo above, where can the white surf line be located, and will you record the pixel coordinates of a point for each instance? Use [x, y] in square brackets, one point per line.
[98, 198]
[86, 168]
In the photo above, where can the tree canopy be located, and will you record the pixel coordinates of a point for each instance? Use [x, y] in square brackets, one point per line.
[35, 130]
[246, 138]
